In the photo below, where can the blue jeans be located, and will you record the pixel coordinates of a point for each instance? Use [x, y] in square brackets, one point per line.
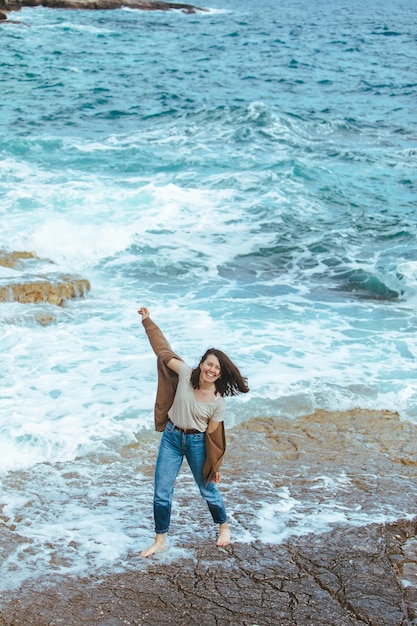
[173, 447]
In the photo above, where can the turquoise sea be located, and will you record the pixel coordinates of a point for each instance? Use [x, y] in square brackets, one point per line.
[249, 174]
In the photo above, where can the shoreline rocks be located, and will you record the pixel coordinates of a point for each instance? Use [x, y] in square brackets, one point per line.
[351, 575]
[346, 577]
[24, 280]
[98, 5]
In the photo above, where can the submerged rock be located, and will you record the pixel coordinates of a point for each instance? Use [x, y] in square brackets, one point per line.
[25, 280]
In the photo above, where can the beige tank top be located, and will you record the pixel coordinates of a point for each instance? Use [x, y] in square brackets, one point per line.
[187, 412]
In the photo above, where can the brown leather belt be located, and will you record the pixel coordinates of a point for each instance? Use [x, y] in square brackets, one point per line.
[186, 431]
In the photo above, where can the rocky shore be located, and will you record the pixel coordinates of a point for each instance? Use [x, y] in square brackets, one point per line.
[97, 5]
[26, 278]
[343, 578]
[350, 575]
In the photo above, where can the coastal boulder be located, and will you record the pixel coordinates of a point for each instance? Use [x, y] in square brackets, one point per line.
[23, 279]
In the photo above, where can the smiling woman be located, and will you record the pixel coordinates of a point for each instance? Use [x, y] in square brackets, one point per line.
[193, 421]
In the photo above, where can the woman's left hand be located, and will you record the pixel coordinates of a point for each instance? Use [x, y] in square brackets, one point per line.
[216, 478]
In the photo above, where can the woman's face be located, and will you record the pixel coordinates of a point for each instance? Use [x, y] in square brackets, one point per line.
[210, 369]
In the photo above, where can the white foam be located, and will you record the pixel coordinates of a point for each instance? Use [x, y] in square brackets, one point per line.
[68, 394]
[8, 272]
[290, 517]
[79, 245]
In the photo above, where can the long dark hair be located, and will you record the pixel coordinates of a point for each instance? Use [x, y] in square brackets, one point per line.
[231, 381]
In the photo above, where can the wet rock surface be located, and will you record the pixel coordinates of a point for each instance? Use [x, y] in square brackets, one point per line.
[355, 573]
[29, 279]
[341, 578]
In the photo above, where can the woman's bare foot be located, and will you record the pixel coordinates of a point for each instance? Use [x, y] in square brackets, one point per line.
[158, 545]
[224, 535]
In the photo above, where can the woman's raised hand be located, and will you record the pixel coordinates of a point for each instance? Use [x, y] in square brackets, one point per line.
[144, 312]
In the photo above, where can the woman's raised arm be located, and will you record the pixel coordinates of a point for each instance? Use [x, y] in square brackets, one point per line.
[173, 364]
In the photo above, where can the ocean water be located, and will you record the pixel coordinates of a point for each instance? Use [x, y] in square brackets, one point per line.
[249, 174]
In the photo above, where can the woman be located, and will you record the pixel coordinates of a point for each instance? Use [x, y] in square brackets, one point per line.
[190, 410]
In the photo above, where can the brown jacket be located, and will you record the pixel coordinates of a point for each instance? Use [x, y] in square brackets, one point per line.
[167, 386]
